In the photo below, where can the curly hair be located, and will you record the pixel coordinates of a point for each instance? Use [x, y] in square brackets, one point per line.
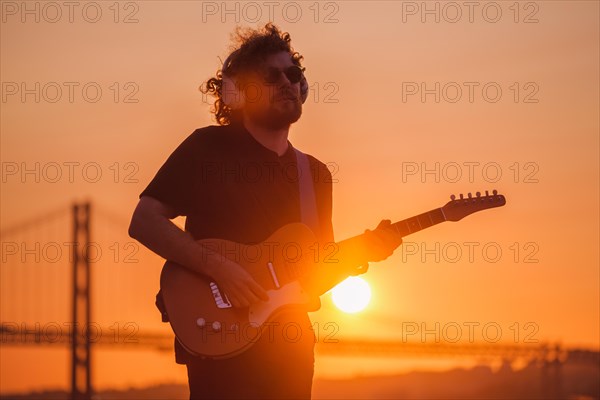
[253, 48]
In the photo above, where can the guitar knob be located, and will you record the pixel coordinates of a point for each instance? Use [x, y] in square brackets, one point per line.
[201, 322]
[216, 326]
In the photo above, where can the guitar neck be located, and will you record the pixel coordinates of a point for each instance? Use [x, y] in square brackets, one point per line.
[419, 222]
[354, 252]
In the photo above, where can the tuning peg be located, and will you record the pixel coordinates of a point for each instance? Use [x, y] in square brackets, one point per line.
[461, 196]
[470, 195]
[452, 197]
[478, 194]
[487, 193]
[495, 192]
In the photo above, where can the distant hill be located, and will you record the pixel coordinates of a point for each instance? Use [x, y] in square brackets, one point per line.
[477, 383]
[581, 382]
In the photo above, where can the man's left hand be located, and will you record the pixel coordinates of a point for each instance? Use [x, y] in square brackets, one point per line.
[382, 241]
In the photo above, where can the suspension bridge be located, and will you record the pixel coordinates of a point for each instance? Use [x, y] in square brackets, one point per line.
[71, 278]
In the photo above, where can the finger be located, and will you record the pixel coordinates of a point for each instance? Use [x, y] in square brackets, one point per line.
[249, 289]
[258, 291]
[389, 237]
[245, 293]
[361, 269]
[384, 237]
[243, 297]
[247, 299]
[364, 268]
[385, 223]
[233, 299]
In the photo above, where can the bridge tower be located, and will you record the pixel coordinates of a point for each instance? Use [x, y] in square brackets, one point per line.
[81, 384]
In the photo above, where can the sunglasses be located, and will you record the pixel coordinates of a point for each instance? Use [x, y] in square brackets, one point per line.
[293, 73]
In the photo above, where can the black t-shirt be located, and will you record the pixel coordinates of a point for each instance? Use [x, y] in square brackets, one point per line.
[229, 186]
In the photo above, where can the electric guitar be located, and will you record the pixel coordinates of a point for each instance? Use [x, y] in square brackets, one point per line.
[286, 266]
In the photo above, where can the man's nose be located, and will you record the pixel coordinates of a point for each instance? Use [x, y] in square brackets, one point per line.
[282, 78]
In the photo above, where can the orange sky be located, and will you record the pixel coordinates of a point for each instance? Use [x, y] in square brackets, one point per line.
[360, 117]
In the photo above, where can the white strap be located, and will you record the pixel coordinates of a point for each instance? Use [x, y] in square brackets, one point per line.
[308, 203]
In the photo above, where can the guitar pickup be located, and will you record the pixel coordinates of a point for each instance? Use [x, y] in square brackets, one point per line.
[221, 300]
[273, 275]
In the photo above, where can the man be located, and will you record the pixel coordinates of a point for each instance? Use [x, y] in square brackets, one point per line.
[239, 181]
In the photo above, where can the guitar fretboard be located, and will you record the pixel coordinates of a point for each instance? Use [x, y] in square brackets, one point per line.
[419, 222]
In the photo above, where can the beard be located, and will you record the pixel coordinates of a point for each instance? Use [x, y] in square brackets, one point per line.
[281, 113]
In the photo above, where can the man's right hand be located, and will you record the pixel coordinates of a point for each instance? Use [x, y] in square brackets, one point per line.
[151, 225]
[239, 286]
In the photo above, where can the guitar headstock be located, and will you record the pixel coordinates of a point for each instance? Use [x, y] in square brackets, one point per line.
[457, 209]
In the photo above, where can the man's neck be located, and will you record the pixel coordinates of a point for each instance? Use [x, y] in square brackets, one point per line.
[273, 139]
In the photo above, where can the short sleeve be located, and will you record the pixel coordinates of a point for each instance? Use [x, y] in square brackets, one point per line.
[173, 184]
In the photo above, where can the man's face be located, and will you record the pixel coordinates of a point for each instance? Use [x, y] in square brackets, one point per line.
[271, 100]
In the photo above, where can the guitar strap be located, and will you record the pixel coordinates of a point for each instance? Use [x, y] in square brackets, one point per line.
[308, 202]
[308, 208]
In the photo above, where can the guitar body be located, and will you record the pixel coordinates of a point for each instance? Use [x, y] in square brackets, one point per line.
[285, 265]
[199, 312]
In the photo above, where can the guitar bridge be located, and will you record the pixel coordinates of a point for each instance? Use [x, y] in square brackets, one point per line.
[221, 300]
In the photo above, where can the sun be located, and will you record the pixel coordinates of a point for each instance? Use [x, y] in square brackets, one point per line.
[351, 295]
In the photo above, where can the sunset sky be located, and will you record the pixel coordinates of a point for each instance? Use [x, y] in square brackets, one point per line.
[517, 110]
